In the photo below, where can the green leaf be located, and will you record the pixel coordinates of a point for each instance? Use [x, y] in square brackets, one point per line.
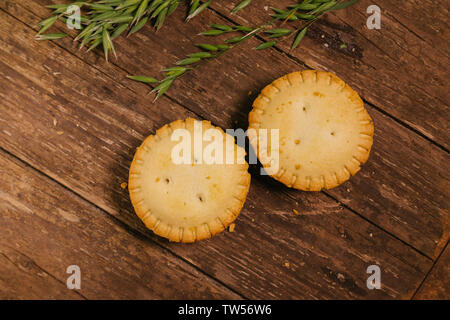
[107, 43]
[304, 6]
[57, 6]
[265, 45]
[243, 28]
[160, 19]
[51, 36]
[119, 30]
[305, 16]
[201, 55]
[194, 6]
[47, 23]
[138, 26]
[212, 32]
[127, 3]
[173, 7]
[324, 7]
[176, 73]
[141, 9]
[187, 61]
[275, 33]
[174, 69]
[208, 47]
[222, 27]
[121, 19]
[241, 6]
[88, 30]
[100, 7]
[103, 16]
[199, 10]
[94, 44]
[298, 38]
[160, 9]
[222, 47]
[162, 87]
[234, 39]
[143, 79]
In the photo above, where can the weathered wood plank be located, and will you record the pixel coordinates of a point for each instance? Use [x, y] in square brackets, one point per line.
[327, 248]
[22, 278]
[437, 284]
[397, 193]
[391, 68]
[415, 15]
[48, 228]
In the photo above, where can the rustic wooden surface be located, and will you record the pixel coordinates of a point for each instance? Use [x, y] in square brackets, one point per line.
[70, 123]
[437, 283]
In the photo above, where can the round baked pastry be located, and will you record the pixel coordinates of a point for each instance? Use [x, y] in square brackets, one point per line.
[187, 194]
[325, 133]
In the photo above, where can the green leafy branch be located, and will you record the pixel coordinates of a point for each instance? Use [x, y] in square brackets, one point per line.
[307, 12]
[104, 20]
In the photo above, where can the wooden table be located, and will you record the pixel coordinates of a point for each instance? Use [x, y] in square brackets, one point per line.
[70, 123]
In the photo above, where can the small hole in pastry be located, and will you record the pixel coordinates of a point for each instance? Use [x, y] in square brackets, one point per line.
[167, 180]
[297, 141]
[318, 94]
[332, 133]
[200, 197]
[304, 109]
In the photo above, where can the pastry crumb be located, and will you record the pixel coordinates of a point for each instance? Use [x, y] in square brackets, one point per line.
[295, 211]
[59, 133]
[231, 227]
[55, 122]
[287, 264]
[371, 234]
[123, 185]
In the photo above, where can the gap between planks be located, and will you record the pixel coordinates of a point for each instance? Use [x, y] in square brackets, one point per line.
[429, 271]
[201, 117]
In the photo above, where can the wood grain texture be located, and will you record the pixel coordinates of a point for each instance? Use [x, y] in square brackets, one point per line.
[47, 228]
[407, 198]
[393, 68]
[327, 247]
[21, 277]
[437, 284]
[400, 190]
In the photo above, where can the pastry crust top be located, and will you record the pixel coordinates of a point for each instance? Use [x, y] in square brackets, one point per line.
[325, 133]
[186, 202]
